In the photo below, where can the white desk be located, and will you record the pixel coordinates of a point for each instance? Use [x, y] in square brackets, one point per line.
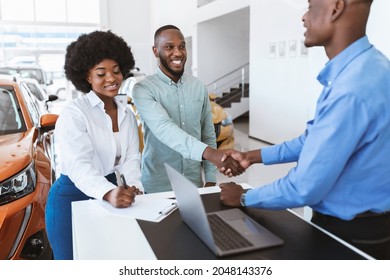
[97, 235]
[101, 235]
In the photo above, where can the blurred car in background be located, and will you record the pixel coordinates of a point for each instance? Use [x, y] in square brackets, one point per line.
[44, 99]
[58, 87]
[223, 124]
[61, 87]
[28, 71]
[26, 171]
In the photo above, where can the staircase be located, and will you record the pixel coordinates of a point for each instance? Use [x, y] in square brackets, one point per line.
[236, 101]
[232, 91]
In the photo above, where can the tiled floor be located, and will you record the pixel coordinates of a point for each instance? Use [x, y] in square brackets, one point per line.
[258, 174]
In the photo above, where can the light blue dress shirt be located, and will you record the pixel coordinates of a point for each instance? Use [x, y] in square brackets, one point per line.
[178, 127]
[343, 157]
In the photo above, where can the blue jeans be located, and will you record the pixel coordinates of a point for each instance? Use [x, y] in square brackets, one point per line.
[58, 215]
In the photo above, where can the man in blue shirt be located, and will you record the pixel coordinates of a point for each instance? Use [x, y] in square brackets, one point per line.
[342, 169]
[177, 120]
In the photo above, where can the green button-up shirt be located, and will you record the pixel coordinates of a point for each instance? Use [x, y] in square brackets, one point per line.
[178, 127]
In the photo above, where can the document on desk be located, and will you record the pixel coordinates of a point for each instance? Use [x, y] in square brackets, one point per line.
[145, 207]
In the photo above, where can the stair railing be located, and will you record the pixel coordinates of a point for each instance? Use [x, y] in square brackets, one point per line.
[231, 79]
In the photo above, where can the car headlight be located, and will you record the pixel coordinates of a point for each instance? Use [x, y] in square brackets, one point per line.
[18, 186]
[227, 121]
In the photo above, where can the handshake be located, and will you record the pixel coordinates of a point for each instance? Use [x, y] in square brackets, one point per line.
[231, 162]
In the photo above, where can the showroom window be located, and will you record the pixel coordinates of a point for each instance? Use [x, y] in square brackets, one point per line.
[70, 11]
[31, 31]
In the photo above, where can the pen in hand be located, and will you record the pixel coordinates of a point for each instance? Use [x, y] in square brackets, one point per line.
[123, 180]
[119, 179]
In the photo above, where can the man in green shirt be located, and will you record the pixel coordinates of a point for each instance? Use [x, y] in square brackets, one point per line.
[175, 111]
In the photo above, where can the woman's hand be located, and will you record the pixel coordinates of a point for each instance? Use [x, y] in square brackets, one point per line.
[122, 197]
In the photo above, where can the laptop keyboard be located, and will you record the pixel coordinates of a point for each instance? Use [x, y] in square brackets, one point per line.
[226, 237]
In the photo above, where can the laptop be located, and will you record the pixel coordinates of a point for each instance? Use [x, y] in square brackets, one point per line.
[225, 232]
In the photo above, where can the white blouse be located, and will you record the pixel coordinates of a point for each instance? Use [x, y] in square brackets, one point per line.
[87, 146]
[118, 147]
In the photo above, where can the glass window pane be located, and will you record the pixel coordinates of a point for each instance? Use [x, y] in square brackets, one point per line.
[85, 11]
[18, 37]
[35, 90]
[11, 10]
[49, 10]
[32, 104]
[9, 117]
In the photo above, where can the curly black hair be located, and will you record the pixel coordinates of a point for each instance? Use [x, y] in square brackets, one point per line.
[91, 49]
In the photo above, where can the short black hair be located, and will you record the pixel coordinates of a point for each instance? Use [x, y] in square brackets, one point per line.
[161, 29]
[89, 50]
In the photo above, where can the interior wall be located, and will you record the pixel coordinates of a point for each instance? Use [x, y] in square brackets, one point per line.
[283, 87]
[177, 12]
[222, 44]
[219, 8]
[378, 23]
[131, 19]
[283, 83]
[283, 74]
[137, 20]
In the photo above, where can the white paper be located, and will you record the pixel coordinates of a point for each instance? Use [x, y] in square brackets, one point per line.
[145, 207]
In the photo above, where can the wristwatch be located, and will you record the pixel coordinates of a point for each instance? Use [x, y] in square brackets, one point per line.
[242, 199]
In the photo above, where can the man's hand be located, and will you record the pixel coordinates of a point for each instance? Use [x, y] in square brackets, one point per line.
[215, 156]
[245, 159]
[231, 194]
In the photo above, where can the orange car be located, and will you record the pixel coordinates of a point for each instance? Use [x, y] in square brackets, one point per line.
[26, 172]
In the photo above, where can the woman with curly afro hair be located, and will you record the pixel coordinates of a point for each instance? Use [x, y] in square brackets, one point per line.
[96, 136]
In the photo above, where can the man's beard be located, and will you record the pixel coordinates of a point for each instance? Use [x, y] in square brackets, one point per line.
[174, 73]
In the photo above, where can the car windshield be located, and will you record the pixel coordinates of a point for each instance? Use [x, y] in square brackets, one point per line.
[10, 116]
